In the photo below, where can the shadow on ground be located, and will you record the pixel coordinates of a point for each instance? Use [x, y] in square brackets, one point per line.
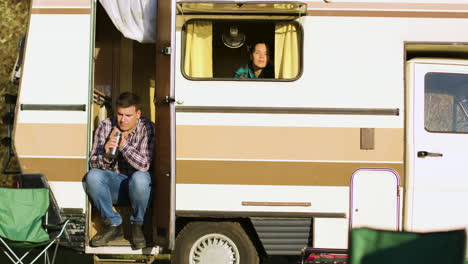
[72, 257]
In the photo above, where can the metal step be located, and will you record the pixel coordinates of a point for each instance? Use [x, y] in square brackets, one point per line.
[125, 259]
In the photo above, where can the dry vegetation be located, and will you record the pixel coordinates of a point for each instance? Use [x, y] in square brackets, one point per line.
[14, 19]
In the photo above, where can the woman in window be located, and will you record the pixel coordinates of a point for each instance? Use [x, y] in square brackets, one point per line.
[259, 65]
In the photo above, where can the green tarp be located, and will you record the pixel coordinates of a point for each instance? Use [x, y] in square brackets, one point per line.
[21, 212]
[370, 246]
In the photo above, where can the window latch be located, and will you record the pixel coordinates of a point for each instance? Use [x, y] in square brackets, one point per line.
[166, 50]
[168, 100]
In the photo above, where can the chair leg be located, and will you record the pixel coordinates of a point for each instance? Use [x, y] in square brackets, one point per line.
[47, 260]
[16, 259]
[44, 251]
[24, 256]
[12, 254]
[55, 251]
[8, 255]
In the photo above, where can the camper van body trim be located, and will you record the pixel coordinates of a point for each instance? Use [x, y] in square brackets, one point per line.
[53, 107]
[227, 214]
[289, 110]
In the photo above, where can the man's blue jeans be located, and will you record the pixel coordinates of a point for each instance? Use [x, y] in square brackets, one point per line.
[107, 188]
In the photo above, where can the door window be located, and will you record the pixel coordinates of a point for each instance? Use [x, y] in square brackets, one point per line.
[446, 102]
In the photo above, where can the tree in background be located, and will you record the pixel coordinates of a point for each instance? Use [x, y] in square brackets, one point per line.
[14, 16]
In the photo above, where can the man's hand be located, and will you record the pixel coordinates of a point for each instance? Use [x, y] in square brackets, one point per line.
[112, 141]
[123, 140]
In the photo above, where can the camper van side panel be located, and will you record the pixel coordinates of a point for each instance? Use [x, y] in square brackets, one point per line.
[243, 161]
[51, 128]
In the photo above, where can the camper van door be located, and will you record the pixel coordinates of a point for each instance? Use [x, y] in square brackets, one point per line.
[437, 145]
[164, 162]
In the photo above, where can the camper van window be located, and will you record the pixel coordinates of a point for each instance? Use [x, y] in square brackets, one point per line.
[241, 50]
[446, 102]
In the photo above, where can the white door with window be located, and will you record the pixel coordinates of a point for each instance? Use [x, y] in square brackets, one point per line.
[437, 145]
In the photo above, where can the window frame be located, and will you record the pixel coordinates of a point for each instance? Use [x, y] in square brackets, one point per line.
[455, 99]
[259, 20]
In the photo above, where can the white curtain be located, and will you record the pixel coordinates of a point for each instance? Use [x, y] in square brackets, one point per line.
[136, 19]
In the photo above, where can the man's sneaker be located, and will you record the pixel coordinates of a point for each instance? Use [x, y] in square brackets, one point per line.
[138, 238]
[107, 234]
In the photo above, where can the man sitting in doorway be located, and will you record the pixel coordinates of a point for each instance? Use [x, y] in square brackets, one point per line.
[259, 65]
[125, 175]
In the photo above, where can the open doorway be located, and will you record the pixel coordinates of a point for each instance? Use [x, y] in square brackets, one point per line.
[120, 65]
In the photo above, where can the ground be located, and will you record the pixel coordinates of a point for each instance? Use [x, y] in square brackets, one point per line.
[72, 257]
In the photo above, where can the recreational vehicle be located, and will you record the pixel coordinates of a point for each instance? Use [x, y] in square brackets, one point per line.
[364, 123]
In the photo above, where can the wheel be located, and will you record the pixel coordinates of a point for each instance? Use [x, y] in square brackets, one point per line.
[214, 243]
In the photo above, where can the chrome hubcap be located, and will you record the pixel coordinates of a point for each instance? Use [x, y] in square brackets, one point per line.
[214, 248]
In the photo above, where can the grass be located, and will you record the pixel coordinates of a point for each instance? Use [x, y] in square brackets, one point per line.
[14, 15]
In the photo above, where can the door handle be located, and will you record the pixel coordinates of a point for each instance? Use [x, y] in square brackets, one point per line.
[423, 154]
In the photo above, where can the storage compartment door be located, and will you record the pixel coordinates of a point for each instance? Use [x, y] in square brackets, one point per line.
[375, 199]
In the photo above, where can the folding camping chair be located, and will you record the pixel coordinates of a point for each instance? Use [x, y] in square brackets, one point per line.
[23, 224]
[370, 246]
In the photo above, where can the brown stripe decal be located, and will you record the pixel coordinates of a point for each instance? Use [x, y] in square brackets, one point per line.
[271, 173]
[50, 139]
[56, 169]
[287, 143]
[61, 11]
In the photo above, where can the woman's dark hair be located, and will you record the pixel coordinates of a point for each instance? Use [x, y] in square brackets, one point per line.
[251, 48]
[269, 70]
[128, 99]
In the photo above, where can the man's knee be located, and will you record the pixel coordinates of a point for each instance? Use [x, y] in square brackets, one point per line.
[95, 177]
[140, 181]
[141, 178]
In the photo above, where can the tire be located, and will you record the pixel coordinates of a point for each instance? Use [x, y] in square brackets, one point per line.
[214, 243]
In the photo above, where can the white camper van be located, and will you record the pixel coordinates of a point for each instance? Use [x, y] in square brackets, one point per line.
[364, 123]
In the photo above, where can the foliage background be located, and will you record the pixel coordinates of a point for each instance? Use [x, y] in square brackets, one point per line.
[14, 15]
